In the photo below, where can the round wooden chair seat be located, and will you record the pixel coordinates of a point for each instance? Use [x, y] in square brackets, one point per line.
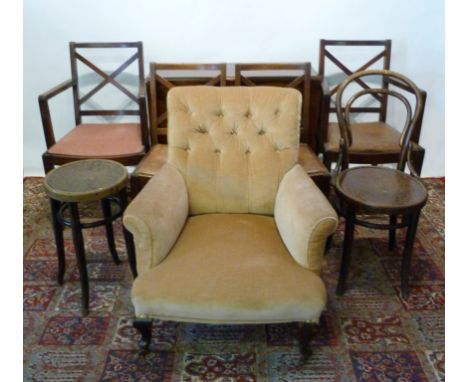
[380, 190]
[85, 180]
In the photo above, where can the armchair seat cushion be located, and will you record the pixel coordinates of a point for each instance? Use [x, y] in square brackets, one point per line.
[229, 268]
[367, 137]
[100, 140]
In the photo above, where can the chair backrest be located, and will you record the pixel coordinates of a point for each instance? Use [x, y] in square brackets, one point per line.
[233, 145]
[165, 76]
[329, 50]
[77, 55]
[291, 75]
[402, 87]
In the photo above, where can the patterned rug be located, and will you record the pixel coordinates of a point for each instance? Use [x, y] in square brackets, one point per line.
[369, 334]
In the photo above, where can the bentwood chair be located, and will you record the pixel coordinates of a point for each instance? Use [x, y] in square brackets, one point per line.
[374, 190]
[374, 142]
[297, 76]
[122, 142]
[231, 230]
[162, 78]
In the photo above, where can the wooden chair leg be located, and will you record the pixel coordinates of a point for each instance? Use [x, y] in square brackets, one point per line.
[406, 263]
[327, 161]
[58, 233]
[392, 233]
[47, 163]
[135, 186]
[107, 212]
[80, 257]
[418, 160]
[129, 243]
[307, 331]
[144, 326]
[347, 250]
[328, 244]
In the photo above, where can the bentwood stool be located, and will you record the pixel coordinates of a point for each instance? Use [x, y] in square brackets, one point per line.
[379, 190]
[85, 181]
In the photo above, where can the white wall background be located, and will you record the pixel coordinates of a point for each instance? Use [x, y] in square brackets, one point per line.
[230, 31]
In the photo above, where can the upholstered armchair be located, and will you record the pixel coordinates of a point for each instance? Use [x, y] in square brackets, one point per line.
[231, 230]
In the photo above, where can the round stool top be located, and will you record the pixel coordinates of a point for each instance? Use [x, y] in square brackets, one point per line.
[85, 180]
[380, 189]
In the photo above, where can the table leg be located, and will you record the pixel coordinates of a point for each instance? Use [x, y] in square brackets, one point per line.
[347, 250]
[107, 212]
[58, 233]
[80, 256]
[409, 242]
[392, 233]
[128, 236]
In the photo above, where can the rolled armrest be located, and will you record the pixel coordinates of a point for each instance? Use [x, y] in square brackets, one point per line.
[156, 217]
[304, 218]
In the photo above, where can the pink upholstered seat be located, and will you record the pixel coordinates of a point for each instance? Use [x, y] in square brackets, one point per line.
[100, 140]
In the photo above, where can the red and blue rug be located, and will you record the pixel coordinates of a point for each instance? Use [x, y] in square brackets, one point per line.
[369, 334]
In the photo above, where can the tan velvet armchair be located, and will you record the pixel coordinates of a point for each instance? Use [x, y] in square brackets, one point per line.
[231, 230]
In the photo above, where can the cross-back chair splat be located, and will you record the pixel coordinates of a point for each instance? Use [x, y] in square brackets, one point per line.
[108, 79]
[383, 56]
[159, 85]
[60, 152]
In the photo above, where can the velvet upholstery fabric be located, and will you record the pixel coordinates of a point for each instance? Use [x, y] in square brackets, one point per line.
[208, 246]
[157, 216]
[304, 218]
[100, 140]
[368, 137]
[157, 157]
[230, 268]
[233, 145]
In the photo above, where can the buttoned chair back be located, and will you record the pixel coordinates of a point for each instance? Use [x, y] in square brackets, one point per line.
[291, 75]
[233, 145]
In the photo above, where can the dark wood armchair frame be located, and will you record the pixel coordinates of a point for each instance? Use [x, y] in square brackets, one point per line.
[381, 110]
[50, 159]
[158, 86]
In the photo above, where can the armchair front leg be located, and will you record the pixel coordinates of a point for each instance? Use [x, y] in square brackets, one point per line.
[307, 331]
[144, 326]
